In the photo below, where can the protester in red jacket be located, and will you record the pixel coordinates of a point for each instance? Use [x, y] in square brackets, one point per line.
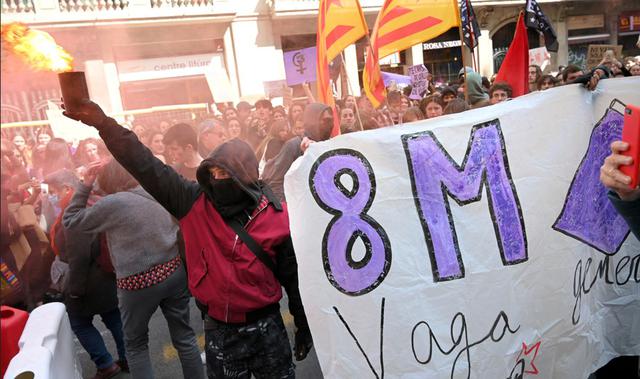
[244, 331]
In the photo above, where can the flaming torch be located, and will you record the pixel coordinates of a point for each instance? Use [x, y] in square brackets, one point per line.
[39, 51]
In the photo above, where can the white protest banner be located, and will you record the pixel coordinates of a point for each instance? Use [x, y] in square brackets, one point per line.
[276, 88]
[419, 82]
[66, 128]
[219, 84]
[474, 245]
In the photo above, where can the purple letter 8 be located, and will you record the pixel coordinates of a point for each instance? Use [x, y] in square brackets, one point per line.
[349, 206]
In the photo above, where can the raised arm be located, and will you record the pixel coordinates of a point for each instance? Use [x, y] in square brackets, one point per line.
[77, 217]
[175, 193]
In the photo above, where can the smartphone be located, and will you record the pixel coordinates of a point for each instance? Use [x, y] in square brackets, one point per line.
[631, 135]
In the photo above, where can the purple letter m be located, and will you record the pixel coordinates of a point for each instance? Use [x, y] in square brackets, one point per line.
[434, 175]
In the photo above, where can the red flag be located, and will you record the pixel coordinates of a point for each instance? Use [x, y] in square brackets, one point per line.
[515, 67]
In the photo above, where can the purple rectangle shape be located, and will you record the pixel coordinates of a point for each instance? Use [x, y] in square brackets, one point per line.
[388, 77]
[300, 66]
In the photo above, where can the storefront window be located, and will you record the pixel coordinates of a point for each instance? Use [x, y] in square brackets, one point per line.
[150, 93]
[502, 39]
[443, 56]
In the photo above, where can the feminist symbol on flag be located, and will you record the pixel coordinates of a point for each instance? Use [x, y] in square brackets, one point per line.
[298, 61]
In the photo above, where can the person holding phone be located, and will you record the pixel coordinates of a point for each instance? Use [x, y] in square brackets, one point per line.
[626, 200]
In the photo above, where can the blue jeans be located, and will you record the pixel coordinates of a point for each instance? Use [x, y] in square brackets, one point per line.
[91, 339]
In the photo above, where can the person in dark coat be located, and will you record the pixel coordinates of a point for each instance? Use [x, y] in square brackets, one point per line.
[318, 121]
[238, 291]
[88, 288]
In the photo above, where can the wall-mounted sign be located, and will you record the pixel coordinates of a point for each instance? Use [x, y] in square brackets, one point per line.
[590, 21]
[169, 67]
[629, 21]
[441, 45]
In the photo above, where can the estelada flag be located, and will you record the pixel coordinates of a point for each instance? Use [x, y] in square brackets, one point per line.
[400, 25]
[340, 23]
[536, 19]
[515, 67]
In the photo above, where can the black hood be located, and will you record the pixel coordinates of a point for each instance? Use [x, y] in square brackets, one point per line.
[312, 126]
[239, 160]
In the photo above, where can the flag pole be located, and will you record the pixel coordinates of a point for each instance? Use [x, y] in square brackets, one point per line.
[474, 58]
[464, 65]
[350, 89]
[386, 102]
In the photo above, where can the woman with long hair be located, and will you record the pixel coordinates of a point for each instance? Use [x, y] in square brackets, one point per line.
[20, 142]
[432, 106]
[155, 144]
[271, 146]
[234, 128]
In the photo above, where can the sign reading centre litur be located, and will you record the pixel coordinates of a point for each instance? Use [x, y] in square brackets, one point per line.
[470, 245]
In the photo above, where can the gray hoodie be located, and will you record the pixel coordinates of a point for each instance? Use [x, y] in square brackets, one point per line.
[140, 232]
[474, 88]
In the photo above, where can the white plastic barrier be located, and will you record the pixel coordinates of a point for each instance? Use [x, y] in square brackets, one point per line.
[46, 347]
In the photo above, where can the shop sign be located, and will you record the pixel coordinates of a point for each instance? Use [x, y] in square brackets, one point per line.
[169, 67]
[590, 21]
[629, 22]
[595, 53]
[441, 45]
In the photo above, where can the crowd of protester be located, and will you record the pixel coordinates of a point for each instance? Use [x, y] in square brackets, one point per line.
[73, 229]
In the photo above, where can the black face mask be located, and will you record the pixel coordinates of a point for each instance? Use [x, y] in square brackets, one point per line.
[228, 198]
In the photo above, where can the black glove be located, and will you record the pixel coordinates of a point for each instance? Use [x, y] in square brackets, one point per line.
[304, 343]
[88, 113]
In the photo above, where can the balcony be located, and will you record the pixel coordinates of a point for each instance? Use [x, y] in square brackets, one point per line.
[284, 8]
[35, 12]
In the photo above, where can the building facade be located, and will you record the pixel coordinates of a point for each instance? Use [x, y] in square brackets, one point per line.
[143, 53]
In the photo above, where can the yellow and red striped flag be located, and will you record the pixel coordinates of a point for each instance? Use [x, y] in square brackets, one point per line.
[340, 23]
[400, 25]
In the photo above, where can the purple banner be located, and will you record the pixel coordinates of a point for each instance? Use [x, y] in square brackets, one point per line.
[436, 176]
[588, 215]
[300, 66]
[388, 77]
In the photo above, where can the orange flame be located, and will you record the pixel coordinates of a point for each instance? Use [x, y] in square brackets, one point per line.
[36, 48]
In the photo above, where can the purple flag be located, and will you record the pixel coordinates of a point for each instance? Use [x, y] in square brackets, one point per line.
[300, 66]
[387, 77]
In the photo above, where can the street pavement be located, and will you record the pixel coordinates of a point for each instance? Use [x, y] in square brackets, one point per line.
[165, 358]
